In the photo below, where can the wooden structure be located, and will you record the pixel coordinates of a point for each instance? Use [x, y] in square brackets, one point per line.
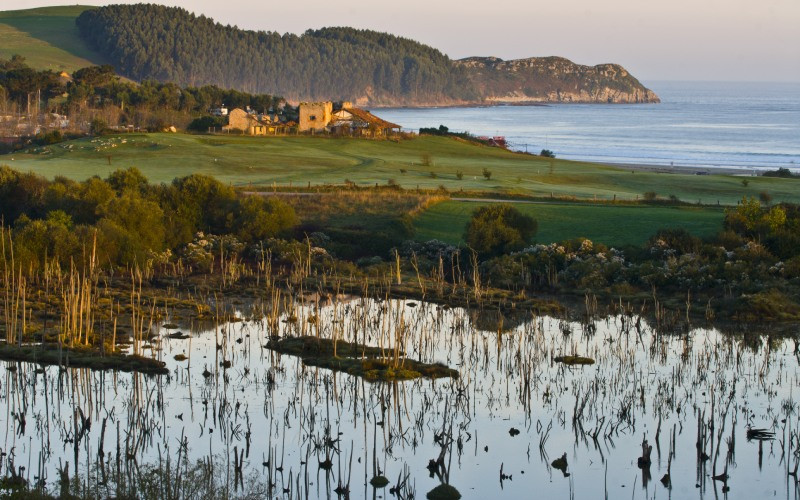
[357, 121]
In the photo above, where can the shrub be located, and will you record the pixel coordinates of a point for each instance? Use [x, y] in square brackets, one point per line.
[44, 139]
[98, 126]
[261, 218]
[203, 123]
[497, 229]
[547, 153]
[487, 173]
[781, 172]
[675, 239]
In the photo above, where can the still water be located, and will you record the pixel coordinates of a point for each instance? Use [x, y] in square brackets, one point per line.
[513, 408]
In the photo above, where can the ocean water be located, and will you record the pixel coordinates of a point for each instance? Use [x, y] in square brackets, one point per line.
[709, 124]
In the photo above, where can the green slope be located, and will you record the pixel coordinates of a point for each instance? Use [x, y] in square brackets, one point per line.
[47, 37]
[609, 224]
[425, 162]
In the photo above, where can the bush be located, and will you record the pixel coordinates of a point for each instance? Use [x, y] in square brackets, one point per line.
[547, 153]
[498, 229]
[487, 173]
[781, 172]
[203, 123]
[45, 139]
[676, 239]
[98, 126]
[261, 218]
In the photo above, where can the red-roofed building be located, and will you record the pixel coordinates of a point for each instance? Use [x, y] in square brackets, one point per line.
[347, 120]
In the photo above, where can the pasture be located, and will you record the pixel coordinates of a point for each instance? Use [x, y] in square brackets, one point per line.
[613, 225]
[297, 162]
[47, 38]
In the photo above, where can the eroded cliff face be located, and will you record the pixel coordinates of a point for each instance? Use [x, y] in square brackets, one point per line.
[553, 79]
[535, 80]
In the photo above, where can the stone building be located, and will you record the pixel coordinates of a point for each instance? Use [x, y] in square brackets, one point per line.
[241, 120]
[315, 116]
[345, 119]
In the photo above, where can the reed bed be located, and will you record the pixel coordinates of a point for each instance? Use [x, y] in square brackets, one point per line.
[230, 417]
[235, 419]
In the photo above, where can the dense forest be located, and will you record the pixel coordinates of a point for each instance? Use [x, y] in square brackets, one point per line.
[171, 44]
[368, 67]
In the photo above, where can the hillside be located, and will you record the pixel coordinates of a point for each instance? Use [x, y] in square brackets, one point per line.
[340, 63]
[47, 37]
[370, 68]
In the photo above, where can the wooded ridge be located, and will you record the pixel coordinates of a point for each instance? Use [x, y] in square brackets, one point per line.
[146, 41]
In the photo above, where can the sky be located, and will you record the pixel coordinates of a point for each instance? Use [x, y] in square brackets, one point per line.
[701, 40]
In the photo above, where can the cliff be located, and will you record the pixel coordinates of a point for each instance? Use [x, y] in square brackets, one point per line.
[552, 79]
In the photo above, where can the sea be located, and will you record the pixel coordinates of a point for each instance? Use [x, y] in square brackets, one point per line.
[747, 126]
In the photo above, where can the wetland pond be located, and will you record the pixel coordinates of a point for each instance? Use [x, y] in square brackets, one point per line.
[515, 423]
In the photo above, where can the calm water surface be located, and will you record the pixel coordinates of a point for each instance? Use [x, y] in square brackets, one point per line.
[746, 125]
[663, 388]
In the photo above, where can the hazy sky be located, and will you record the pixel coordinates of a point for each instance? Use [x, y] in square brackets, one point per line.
[654, 39]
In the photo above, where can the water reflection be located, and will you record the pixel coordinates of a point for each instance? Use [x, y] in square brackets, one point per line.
[514, 422]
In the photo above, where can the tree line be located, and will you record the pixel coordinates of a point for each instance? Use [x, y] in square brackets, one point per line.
[131, 220]
[97, 92]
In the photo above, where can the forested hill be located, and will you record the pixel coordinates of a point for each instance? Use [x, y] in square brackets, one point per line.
[145, 41]
[171, 44]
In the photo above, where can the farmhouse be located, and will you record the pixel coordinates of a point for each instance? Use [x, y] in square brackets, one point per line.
[356, 121]
[250, 124]
[314, 117]
[346, 119]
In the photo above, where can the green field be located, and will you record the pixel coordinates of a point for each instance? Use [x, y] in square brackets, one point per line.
[299, 160]
[609, 224]
[47, 37]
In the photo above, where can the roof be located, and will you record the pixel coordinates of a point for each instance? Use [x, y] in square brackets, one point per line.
[369, 118]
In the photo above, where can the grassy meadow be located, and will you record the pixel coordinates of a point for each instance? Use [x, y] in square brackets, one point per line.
[615, 225]
[422, 162]
[47, 37]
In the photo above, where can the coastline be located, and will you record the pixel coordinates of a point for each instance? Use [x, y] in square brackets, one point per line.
[684, 169]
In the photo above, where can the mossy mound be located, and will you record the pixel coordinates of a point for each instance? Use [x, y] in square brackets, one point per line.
[379, 481]
[372, 363]
[768, 305]
[82, 358]
[443, 492]
[574, 360]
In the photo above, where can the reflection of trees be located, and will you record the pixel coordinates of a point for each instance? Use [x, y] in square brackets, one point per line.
[494, 320]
